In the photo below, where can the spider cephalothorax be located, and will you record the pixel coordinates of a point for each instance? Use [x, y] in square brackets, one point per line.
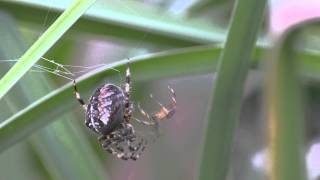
[109, 115]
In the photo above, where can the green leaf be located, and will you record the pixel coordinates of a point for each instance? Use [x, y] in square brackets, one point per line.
[151, 67]
[228, 88]
[43, 44]
[285, 106]
[51, 106]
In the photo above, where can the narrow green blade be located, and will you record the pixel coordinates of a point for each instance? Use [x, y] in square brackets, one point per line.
[228, 88]
[43, 44]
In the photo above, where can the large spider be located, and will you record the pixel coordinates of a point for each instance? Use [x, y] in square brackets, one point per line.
[109, 115]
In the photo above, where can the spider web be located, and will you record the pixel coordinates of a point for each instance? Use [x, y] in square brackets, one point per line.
[66, 71]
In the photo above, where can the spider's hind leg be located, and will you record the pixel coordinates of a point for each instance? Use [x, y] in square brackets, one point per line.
[137, 150]
[112, 144]
[123, 143]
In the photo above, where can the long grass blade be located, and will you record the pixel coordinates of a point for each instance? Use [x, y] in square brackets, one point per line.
[228, 88]
[48, 108]
[150, 67]
[43, 44]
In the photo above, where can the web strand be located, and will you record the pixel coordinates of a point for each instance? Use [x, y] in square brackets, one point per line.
[60, 70]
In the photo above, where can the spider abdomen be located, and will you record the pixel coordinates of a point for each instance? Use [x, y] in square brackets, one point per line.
[105, 109]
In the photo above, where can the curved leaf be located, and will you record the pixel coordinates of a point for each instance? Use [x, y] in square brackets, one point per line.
[285, 106]
[188, 61]
[150, 67]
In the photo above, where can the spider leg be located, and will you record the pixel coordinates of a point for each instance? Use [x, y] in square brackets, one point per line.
[78, 97]
[150, 122]
[147, 123]
[122, 143]
[158, 102]
[136, 144]
[127, 86]
[112, 144]
[165, 112]
[135, 147]
[144, 113]
[137, 150]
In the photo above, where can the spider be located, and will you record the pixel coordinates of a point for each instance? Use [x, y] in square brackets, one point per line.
[109, 114]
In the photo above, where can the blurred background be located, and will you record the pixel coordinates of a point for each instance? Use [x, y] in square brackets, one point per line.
[113, 30]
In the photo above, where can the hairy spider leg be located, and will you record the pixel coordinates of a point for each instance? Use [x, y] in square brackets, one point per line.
[126, 135]
[130, 138]
[150, 121]
[138, 149]
[166, 112]
[78, 97]
[163, 113]
[111, 143]
[127, 86]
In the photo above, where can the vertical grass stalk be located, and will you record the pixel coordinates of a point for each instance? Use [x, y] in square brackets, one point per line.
[228, 88]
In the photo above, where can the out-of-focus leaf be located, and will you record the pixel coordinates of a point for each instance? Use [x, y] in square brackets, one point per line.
[207, 5]
[66, 153]
[124, 19]
[285, 106]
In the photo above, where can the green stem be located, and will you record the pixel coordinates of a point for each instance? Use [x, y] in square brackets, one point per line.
[228, 88]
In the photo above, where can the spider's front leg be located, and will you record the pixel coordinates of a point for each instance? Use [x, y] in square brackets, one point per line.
[78, 96]
[127, 87]
[165, 112]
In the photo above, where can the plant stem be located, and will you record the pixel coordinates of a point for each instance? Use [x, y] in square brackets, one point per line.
[227, 91]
